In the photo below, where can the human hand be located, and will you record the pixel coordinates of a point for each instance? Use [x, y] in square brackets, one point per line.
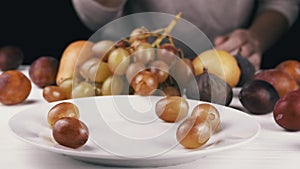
[242, 41]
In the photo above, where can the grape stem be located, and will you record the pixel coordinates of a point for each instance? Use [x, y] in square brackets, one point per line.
[167, 30]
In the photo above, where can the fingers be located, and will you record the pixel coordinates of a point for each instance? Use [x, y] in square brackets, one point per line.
[219, 40]
[233, 42]
[247, 50]
[240, 41]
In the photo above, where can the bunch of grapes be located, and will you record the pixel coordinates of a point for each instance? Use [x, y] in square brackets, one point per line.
[145, 63]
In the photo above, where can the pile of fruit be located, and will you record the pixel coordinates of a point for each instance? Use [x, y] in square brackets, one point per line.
[145, 63]
[148, 62]
[275, 90]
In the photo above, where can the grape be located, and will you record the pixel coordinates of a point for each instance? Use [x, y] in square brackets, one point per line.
[83, 89]
[160, 69]
[60, 110]
[67, 86]
[70, 132]
[144, 53]
[144, 83]
[54, 93]
[172, 108]
[99, 72]
[135, 44]
[167, 53]
[193, 132]
[135, 34]
[113, 85]
[183, 72]
[133, 69]
[97, 89]
[171, 91]
[86, 66]
[95, 70]
[207, 112]
[118, 61]
[101, 49]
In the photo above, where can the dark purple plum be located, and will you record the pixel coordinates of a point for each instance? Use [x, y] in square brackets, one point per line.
[258, 97]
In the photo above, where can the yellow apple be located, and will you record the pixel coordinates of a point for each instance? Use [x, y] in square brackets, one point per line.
[220, 63]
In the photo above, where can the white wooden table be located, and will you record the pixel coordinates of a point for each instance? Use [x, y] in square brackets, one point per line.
[273, 148]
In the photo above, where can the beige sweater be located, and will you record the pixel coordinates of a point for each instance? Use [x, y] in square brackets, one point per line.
[213, 17]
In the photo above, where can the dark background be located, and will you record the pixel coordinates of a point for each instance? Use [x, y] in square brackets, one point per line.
[45, 28]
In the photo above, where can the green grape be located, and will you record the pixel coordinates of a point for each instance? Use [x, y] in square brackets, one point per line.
[183, 72]
[83, 89]
[136, 34]
[113, 85]
[144, 53]
[167, 53]
[102, 48]
[135, 44]
[98, 73]
[86, 66]
[67, 86]
[118, 61]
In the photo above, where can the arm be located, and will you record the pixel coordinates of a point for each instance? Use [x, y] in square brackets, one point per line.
[266, 29]
[96, 13]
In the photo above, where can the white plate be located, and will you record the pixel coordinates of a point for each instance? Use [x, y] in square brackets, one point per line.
[125, 131]
[236, 91]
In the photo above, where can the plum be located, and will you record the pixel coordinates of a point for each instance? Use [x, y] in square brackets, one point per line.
[287, 111]
[247, 70]
[11, 58]
[258, 96]
[210, 88]
[282, 81]
[292, 67]
[43, 71]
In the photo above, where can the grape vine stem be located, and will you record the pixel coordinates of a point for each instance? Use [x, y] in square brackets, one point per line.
[167, 30]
